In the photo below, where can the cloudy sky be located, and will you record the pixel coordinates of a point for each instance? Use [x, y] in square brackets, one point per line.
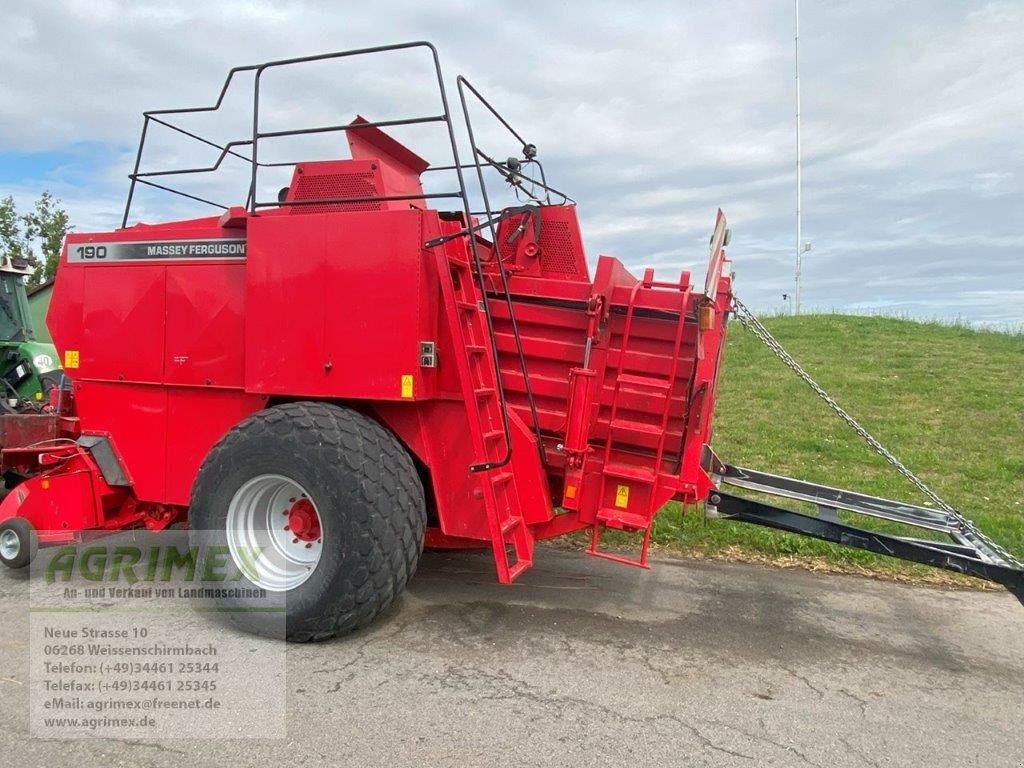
[650, 114]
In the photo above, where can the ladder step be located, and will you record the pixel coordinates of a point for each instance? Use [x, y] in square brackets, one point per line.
[621, 520]
[518, 568]
[501, 478]
[644, 382]
[467, 306]
[475, 349]
[635, 426]
[511, 524]
[630, 472]
[482, 393]
[493, 434]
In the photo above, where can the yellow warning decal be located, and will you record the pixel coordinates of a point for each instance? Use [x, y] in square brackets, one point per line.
[570, 491]
[407, 386]
[622, 496]
[70, 358]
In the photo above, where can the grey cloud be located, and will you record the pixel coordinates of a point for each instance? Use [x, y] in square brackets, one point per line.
[651, 115]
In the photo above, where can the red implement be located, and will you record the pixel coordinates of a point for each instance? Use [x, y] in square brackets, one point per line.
[532, 398]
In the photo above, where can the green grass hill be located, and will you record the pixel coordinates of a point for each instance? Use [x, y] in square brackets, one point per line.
[947, 400]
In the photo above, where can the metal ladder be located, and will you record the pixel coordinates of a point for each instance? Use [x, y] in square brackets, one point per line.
[478, 374]
[637, 476]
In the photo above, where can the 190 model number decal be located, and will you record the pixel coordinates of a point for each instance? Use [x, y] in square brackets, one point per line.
[222, 248]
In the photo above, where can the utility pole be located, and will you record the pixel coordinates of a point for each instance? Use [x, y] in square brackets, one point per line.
[799, 168]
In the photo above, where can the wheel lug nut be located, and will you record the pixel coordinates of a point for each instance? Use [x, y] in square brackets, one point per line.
[308, 546]
[295, 541]
[287, 527]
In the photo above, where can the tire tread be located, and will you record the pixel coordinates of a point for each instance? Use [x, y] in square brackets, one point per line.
[390, 539]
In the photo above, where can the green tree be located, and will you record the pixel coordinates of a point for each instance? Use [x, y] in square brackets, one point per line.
[14, 244]
[44, 226]
[48, 223]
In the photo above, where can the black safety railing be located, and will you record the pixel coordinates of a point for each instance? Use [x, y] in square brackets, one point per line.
[236, 148]
[157, 116]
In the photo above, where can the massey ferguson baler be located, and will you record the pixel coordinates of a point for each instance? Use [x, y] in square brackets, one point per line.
[351, 370]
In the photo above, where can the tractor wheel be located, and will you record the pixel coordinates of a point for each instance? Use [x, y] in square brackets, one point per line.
[331, 501]
[18, 543]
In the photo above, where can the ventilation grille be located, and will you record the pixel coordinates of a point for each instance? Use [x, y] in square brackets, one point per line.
[557, 254]
[331, 186]
[557, 258]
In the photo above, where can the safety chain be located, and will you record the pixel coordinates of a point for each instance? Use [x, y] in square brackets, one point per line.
[749, 321]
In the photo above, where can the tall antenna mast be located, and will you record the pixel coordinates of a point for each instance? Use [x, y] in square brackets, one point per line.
[799, 168]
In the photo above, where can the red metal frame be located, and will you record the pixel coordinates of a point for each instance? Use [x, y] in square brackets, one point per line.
[168, 353]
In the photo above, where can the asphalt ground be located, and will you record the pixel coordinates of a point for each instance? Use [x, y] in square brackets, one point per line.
[583, 662]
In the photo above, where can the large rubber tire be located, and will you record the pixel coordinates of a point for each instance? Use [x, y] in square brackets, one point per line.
[22, 537]
[366, 491]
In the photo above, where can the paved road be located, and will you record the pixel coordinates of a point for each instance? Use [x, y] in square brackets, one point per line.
[586, 663]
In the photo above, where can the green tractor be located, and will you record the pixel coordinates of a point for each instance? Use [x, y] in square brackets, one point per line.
[28, 368]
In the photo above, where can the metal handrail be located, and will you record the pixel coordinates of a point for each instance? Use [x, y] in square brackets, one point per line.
[137, 176]
[463, 85]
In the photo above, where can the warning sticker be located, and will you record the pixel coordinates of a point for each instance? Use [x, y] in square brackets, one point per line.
[622, 496]
[70, 358]
[407, 386]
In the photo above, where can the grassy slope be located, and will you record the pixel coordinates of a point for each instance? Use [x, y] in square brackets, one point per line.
[948, 401]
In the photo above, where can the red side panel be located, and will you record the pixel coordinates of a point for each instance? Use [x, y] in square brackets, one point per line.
[336, 306]
[284, 273]
[134, 416]
[437, 434]
[205, 324]
[64, 315]
[196, 419]
[123, 321]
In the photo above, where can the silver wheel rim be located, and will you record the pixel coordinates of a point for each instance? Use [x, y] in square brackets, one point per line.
[10, 544]
[259, 520]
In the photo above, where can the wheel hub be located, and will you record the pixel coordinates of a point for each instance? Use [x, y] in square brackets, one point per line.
[10, 544]
[274, 532]
[303, 520]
